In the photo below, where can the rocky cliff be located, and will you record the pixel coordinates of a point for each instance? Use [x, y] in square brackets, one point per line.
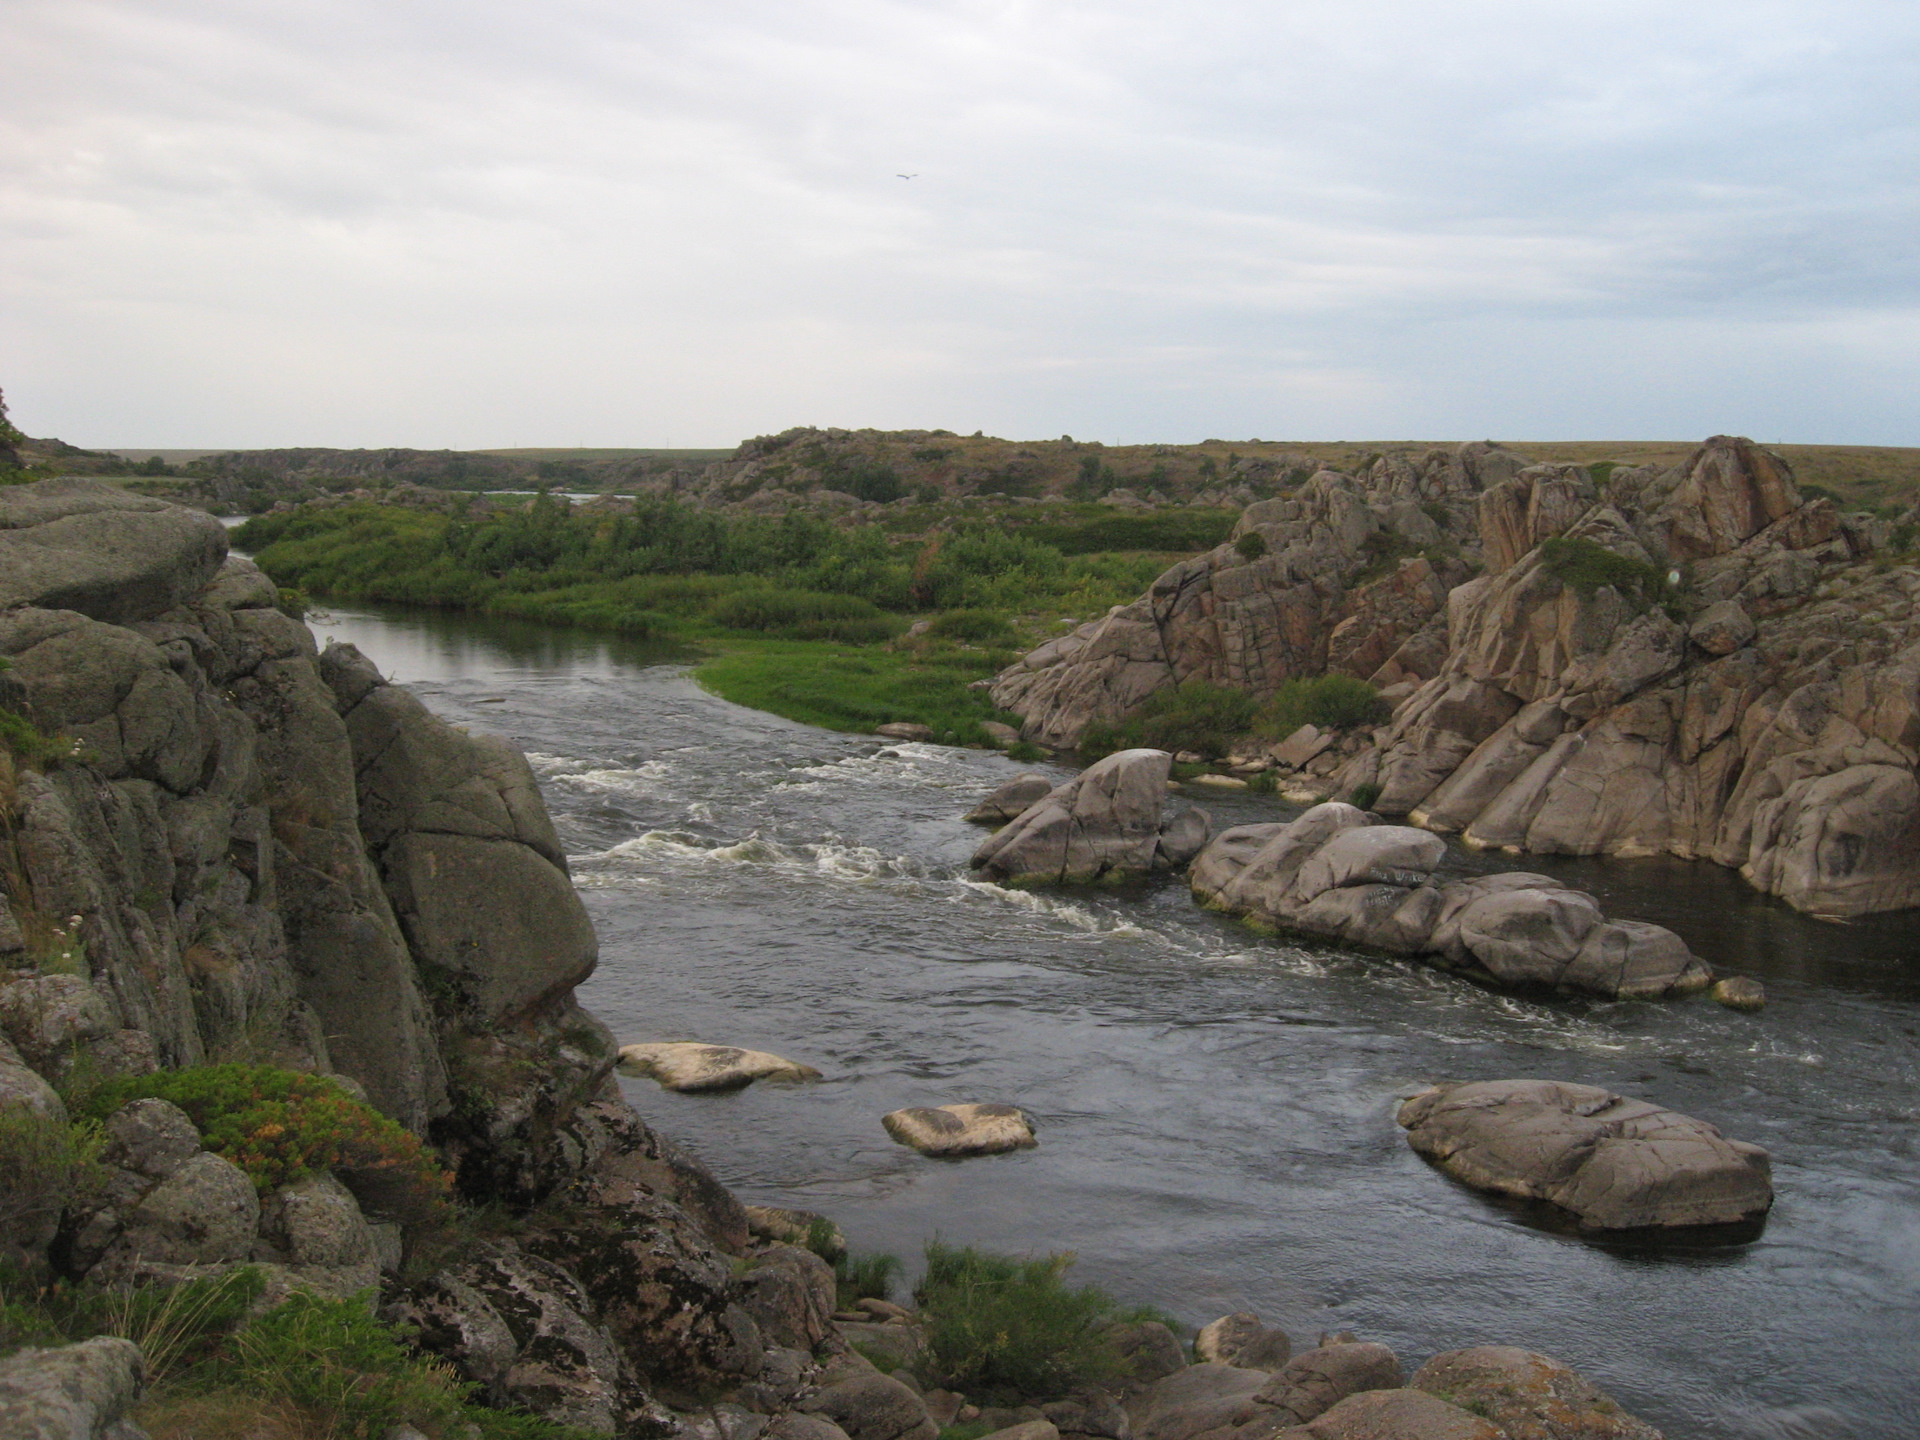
[243, 849]
[1693, 660]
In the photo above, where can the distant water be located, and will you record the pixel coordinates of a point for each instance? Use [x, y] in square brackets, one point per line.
[1215, 1108]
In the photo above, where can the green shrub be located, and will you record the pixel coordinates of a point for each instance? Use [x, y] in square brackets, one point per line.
[280, 1126]
[1584, 567]
[29, 745]
[1193, 716]
[48, 1164]
[979, 626]
[1251, 545]
[334, 1357]
[864, 1277]
[1004, 1328]
[1364, 794]
[1331, 702]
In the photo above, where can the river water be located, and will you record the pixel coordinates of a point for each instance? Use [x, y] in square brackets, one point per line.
[1215, 1108]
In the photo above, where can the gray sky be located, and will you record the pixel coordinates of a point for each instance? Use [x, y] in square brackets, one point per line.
[615, 222]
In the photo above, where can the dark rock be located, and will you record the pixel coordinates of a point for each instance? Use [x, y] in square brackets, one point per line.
[1009, 800]
[84, 545]
[204, 1213]
[1105, 823]
[873, 1407]
[1396, 1415]
[790, 1295]
[1313, 1383]
[1148, 1351]
[1196, 1399]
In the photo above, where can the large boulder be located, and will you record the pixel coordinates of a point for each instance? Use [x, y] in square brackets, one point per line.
[1333, 873]
[1104, 824]
[1528, 1396]
[952, 1131]
[1008, 800]
[872, 1406]
[1613, 1163]
[1395, 1415]
[1311, 1384]
[84, 545]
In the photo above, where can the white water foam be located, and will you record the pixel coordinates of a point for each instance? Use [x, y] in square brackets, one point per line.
[1052, 907]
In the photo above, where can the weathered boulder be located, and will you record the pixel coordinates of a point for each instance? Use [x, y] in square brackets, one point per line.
[952, 1131]
[689, 1066]
[1104, 824]
[1148, 1351]
[80, 544]
[796, 1227]
[790, 1295]
[1312, 1383]
[1528, 1396]
[1218, 1341]
[1008, 800]
[1612, 1162]
[204, 1213]
[72, 1392]
[873, 1407]
[314, 1226]
[1332, 873]
[1739, 992]
[1199, 1398]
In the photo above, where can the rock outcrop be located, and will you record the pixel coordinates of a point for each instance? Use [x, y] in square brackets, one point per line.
[1611, 1162]
[1107, 823]
[1695, 661]
[1336, 873]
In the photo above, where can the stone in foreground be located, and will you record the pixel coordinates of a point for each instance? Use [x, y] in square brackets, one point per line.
[1740, 992]
[1395, 1415]
[687, 1066]
[951, 1131]
[1612, 1162]
[1528, 1396]
[1104, 824]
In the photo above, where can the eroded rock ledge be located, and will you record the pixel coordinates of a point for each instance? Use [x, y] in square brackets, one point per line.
[1708, 665]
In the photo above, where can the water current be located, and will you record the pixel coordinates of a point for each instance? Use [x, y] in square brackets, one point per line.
[1215, 1108]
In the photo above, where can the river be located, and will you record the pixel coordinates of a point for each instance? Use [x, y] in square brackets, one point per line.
[1215, 1108]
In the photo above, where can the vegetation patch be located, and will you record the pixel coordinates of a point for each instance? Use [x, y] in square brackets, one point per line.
[1585, 567]
[1192, 716]
[281, 1125]
[863, 1277]
[846, 688]
[1329, 702]
[1008, 1328]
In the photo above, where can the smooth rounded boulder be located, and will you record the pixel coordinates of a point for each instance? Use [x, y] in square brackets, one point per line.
[1104, 824]
[1612, 1162]
[952, 1131]
[693, 1068]
[1008, 800]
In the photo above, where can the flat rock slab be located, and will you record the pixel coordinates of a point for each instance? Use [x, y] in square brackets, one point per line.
[956, 1130]
[688, 1066]
[1528, 1396]
[1614, 1163]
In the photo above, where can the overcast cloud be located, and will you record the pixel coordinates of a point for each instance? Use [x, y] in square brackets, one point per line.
[474, 223]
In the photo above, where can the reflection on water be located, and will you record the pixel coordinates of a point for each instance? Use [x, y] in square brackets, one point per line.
[1215, 1108]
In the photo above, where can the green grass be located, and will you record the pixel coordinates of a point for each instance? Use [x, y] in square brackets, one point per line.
[864, 1277]
[1192, 716]
[1331, 702]
[1585, 567]
[1006, 1328]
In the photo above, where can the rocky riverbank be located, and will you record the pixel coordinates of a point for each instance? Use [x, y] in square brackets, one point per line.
[1695, 660]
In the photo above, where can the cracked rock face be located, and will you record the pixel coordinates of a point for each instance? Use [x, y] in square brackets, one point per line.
[1612, 1162]
[1773, 727]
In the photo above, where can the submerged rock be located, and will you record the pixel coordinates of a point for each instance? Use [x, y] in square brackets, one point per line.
[1612, 1162]
[1333, 872]
[1739, 992]
[956, 1130]
[1105, 823]
[688, 1066]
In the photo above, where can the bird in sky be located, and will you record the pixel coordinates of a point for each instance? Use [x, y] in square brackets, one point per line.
[914, 176]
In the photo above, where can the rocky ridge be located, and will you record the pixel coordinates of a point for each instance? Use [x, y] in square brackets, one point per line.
[1694, 660]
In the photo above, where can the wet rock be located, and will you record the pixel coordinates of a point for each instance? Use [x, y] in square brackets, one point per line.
[873, 1407]
[1007, 801]
[1310, 1384]
[1396, 1415]
[1104, 824]
[1614, 1163]
[1220, 1340]
[72, 1392]
[1739, 992]
[904, 730]
[951, 1131]
[1528, 1396]
[692, 1067]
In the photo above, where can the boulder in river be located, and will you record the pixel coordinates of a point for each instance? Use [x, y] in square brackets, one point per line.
[686, 1065]
[1106, 823]
[1006, 802]
[1612, 1162]
[1334, 872]
[950, 1131]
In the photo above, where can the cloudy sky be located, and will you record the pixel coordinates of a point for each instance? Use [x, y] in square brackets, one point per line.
[642, 222]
